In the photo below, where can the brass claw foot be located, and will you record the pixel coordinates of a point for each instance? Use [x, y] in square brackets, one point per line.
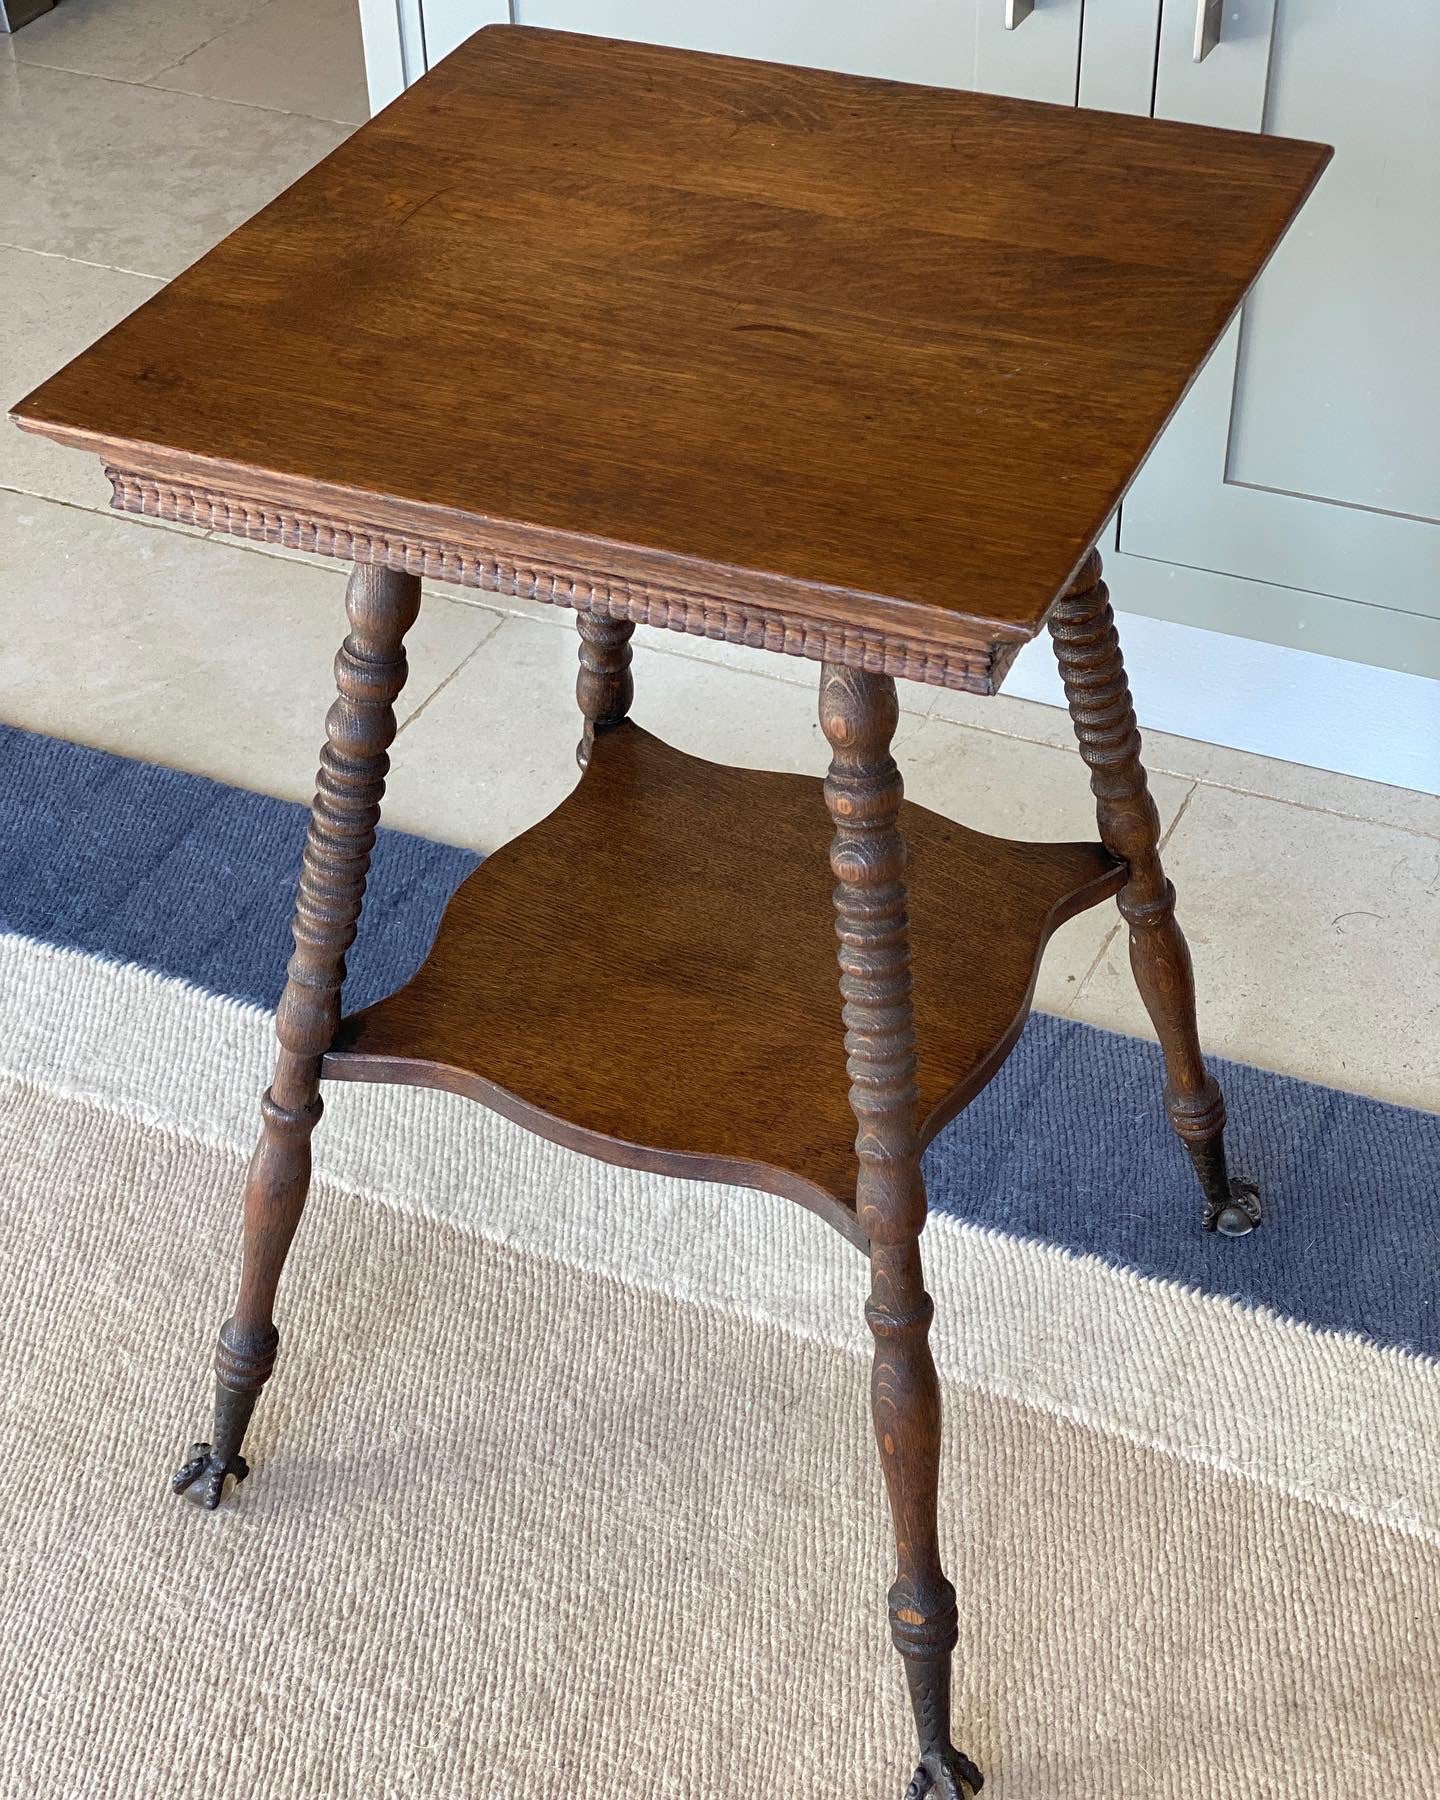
[205, 1473]
[1240, 1215]
[946, 1775]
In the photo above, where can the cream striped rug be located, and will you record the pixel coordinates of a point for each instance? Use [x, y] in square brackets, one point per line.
[564, 1483]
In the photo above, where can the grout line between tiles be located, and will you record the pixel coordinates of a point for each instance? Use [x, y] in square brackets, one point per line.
[1115, 929]
[87, 262]
[1181, 810]
[1307, 806]
[151, 87]
[1094, 964]
[224, 31]
[104, 512]
[454, 675]
[285, 112]
[1209, 781]
[1325, 812]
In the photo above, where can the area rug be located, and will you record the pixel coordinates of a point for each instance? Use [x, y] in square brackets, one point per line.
[564, 1483]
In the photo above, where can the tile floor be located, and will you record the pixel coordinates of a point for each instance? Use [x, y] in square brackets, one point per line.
[148, 130]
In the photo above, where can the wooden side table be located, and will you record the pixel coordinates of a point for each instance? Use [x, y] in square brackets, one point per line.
[837, 368]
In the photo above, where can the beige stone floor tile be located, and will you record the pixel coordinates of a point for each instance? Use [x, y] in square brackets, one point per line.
[1316, 941]
[138, 178]
[129, 42]
[1319, 789]
[183, 651]
[732, 714]
[1011, 787]
[506, 605]
[1004, 715]
[494, 750]
[299, 56]
[1192, 760]
[53, 308]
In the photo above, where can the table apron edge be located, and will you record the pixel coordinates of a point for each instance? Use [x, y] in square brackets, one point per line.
[974, 668]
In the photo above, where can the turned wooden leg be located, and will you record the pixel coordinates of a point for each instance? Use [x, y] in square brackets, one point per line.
[369, 672]
[858, 714]
[1088, 651]
[604, 687]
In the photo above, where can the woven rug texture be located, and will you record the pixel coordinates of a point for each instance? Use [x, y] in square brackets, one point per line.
[564, 1482]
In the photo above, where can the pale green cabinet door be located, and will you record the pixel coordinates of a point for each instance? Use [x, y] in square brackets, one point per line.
[447, 23]
[1296, 496]
[1031, 51]
[905, 40]
[989, 44]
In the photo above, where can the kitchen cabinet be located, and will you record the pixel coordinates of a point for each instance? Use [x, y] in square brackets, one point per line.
[952, 43]
[1296, 495]
[446, 23]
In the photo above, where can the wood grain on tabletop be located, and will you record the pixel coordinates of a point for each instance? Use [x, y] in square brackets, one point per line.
[881, 354]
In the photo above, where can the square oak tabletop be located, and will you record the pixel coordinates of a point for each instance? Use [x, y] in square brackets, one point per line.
[842, 367]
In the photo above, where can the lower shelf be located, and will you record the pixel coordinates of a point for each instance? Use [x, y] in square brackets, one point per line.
[649, 974]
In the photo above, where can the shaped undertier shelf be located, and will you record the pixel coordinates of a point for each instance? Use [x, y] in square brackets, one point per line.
[649, 974]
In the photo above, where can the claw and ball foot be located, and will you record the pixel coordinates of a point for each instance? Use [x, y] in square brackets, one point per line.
[203, 1474]
[1232, 1205]
[1241, 1212]
[946, 1775]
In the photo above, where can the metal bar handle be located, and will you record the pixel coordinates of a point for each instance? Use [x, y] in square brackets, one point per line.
[1207, 27]
[1017, 12]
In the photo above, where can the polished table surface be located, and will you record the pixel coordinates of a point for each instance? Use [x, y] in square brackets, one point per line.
[839, 367]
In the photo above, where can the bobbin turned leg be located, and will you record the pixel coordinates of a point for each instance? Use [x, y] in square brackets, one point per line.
[604, 687]
[369, 672]
[1088, 651]
[858, 714]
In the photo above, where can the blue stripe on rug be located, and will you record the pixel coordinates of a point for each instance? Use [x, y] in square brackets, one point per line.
[190, 877]
[1068, 1146]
